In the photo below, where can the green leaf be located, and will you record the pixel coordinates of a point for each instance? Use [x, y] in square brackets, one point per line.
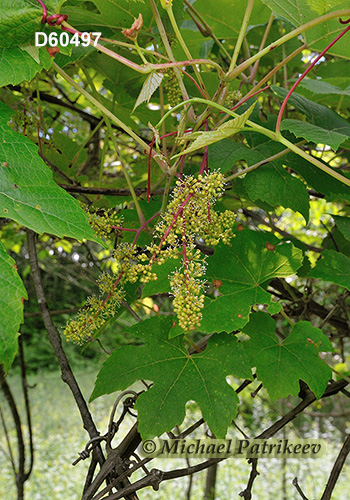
[162, 284]
[281, 364]
[299, 12]
[253, 258]
[20, 19]
[333, 267]
[314, 133]
[225, 154]
[343, 224]
[274, 185]
[115, 14]
[17, 65]
[315, 112]
[11, 308]
[250, 261]
[270, 183]
[225, 19]
[320, 181]
[149, 86]
[28, 193]
[320, 87]
[177, 377]
[226, 130]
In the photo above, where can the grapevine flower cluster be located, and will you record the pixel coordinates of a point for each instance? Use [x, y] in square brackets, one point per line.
[94, 316]
[188, 291]
[198, 196]
[171, 88]
[131, 267]
[189, 216]
[103, 221]
[112, 293]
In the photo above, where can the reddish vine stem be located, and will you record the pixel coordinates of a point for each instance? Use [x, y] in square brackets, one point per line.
[138, 232]
[182, 164]
[174, 133]
[184, 251]
[205, 156]
[182, 206]
[149, 169]
[195, 83]
[284, 103]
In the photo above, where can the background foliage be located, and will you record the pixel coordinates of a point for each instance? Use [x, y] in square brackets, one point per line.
[189, 190]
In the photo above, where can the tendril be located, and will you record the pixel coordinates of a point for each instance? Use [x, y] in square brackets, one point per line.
[55, 19]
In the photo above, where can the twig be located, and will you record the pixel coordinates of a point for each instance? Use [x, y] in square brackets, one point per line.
[336, 470]
[27, 406]
[332, 388]
[107, 191]
[253, 215]
[247, 493]
[19, 473]
[299, 490]
[130, 310]
[59, 312]
[9, 446]
[55, 341]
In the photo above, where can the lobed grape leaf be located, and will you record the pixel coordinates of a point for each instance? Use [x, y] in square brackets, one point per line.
[320, 87]
[28, 193]
[319, 180]
[274, 185]
[333, 267]
[314, 133]
[11, 308]
[317, 113]
[162, 284]
[18, 65]
[280, 364]
[20, 19]
[177, 376]
[226, 21]
[253, 259]
[299, 12]
[114, 14]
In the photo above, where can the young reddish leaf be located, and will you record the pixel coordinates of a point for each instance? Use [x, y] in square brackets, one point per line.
[177, 376]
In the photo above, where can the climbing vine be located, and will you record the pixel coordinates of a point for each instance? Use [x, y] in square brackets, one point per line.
[172, 144]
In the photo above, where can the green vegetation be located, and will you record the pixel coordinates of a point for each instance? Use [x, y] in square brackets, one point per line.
[174, 213]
